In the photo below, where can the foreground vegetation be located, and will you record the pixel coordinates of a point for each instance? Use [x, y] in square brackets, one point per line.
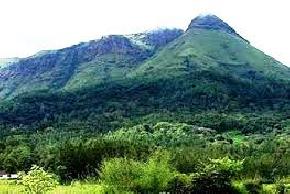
[81, 189]
[174, 157]
[9, 187]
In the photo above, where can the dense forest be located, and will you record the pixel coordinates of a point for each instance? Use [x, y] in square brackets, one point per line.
[175, 157]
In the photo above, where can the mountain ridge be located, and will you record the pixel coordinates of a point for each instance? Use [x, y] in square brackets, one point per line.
[45, 61]
[121, 77]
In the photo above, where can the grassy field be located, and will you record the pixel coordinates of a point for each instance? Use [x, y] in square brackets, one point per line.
[10, 187]
[83, 189]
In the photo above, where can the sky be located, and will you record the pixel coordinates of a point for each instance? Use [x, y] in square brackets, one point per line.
[28, 26]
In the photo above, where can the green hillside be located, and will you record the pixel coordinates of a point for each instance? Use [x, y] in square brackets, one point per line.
[167, 74]
[217, 66]
[89, 62]
[213, 50]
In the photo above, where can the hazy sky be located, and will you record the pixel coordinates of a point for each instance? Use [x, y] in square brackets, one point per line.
[28, 26]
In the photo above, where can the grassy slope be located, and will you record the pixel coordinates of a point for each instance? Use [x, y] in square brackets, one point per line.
[210, 50]
[211, 63]
[198, 50]
[107, 68]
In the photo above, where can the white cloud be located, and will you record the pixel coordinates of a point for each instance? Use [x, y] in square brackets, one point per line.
[32, 25]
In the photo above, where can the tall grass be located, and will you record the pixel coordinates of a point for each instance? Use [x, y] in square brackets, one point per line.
[11, 187]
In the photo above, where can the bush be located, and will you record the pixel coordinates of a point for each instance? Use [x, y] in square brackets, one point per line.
[225, 166]
[254, 186]
[280, 188]
[181, 183]
[129, 175]
[216, 176]
[121, 174]
[38, 181]
[157, 173]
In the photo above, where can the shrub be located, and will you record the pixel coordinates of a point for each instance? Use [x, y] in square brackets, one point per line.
[253, 186]
[181, 183]
[157, 172]
[38, 181]
[121, 174]
[216, 176]
[280, 188]
[225, 166]
[125, 174]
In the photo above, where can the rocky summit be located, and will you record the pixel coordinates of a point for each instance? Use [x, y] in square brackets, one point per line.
[210, 22]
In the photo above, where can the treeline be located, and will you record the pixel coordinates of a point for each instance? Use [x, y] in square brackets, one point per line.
[111, 105]
[96, 123]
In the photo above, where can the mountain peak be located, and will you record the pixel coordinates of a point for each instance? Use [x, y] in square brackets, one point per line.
[210, 22]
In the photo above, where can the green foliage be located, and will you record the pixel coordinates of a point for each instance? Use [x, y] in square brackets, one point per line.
[121, 173]
[225, 166]
[78, 158]
[161, 134]
[157, 173]
[280, 188]
[180, 183]
[186, 159]
[129, 175]
[7, 187]
[216, 176]
[254, 187]
[38, 181]
[185, 166]
[16, 154]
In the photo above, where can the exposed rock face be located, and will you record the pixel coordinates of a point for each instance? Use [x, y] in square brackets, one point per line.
[211, 22]
[160, 38]
[155, 39]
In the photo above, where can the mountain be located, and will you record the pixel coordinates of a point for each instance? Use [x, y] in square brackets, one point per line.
[54, 70]
[118, 78]
[4, 62]
[216, 60]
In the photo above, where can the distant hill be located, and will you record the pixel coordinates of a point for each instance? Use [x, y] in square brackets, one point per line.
[207, 67]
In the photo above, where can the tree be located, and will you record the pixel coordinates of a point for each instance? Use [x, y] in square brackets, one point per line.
[38, 181]
[18, 158]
